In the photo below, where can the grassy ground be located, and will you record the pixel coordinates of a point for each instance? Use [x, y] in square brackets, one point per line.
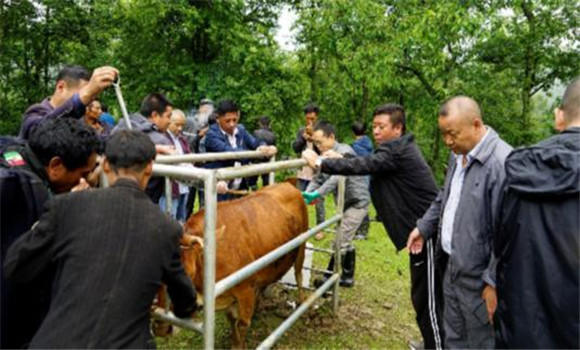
[375, 314]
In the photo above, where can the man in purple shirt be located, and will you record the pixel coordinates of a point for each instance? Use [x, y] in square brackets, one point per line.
[75, 88]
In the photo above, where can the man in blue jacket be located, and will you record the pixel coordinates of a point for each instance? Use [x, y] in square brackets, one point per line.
[227, 135]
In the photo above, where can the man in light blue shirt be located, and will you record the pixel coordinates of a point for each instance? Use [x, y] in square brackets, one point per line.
[465, 213]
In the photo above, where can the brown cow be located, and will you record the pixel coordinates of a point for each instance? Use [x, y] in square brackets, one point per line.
[247, 229]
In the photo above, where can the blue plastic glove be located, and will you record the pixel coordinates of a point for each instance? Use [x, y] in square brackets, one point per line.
[309, 197]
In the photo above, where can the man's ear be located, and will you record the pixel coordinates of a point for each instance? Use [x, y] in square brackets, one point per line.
[559, 120]
[106, 166]
[55, 169]
[148, 169]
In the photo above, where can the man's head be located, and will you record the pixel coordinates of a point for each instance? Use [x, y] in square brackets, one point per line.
[177, 122]
[205, 106]
[69, 81]
[461, 124]
[311, 113]
[324, 136]
[129, 154]
[389, 122]
[264, 122]
[568, 114]
[67, 149]
[228, 116]
[157, 108]
[358, 128]
[93, 111]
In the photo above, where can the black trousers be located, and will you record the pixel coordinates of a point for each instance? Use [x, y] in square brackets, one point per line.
[427, 296]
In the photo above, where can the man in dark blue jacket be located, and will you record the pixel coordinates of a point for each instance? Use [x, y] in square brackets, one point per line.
[75, 88]
[227, 135]
[538, 243]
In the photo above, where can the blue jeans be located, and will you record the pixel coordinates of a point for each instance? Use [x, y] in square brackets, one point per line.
[178, 206]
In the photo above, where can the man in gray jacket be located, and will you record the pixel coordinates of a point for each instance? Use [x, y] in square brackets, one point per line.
[356, 199]
[464, 214]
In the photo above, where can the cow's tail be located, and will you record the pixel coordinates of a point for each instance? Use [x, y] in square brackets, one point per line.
[298, 264]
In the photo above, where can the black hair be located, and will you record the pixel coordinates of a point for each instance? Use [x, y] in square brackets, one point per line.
[326, 127]
[358, 128]
[396, 114]
[73, 74]
[69, 139]
[311, 108]
[571, 101]
[227, 106]
[104, 107]
[129, 149]
[154, 102]
[212, 119]
[264, 121]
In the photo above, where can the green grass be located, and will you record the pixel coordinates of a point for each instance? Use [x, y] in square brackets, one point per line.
[375, 314]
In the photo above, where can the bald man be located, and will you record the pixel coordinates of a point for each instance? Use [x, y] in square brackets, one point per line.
[180, 191]
[464, 215]
[538, 243]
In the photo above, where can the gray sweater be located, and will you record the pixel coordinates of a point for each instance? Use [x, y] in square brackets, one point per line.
[357, 187]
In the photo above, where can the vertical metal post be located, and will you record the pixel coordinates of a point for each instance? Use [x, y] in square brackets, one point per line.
[103, 180]
[209, 256]
[272, 175]
[117, 87]
[338, 241]
[168, 196]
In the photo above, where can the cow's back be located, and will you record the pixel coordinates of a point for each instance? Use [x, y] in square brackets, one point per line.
[252, 227]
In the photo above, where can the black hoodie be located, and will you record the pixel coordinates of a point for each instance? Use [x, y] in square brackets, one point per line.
[538, 246]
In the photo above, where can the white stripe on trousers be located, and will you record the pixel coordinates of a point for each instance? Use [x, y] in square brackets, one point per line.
[431, 296]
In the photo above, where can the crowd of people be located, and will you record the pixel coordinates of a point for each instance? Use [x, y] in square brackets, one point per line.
[494, 253]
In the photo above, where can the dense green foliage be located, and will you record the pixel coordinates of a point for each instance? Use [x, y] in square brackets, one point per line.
[350, 57]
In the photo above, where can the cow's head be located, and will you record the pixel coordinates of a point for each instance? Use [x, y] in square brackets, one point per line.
[192, 252]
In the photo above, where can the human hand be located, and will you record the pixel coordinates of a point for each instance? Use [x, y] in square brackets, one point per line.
[165, 149]
[310, 156]
[82, 185]
[102, 78]
[309, 197]
[202, 132]
[267, 150]
[332, 154]
[222, 187]
[415, 242]
[490, 296]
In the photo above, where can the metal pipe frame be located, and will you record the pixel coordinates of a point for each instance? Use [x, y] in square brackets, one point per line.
[169, 317]
[338, 241]
[274, 336]
[211, 290]
[209, 260]
[258, 169]
[208, 157]
[232, 280]
[168, 196]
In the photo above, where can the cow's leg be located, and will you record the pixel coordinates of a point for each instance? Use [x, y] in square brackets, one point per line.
[160, 328]
[298, 264]
[246, 302]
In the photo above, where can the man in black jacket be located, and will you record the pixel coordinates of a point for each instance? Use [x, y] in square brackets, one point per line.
[111, 248]
[58, 157]
[402, 188]
[537, 245]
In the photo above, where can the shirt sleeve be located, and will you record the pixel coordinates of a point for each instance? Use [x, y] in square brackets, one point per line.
[378, 162]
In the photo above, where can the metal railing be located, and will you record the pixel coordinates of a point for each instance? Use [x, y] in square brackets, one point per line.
[211, 289]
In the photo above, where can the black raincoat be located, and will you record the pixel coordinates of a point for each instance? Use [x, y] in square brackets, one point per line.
[537, 246]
